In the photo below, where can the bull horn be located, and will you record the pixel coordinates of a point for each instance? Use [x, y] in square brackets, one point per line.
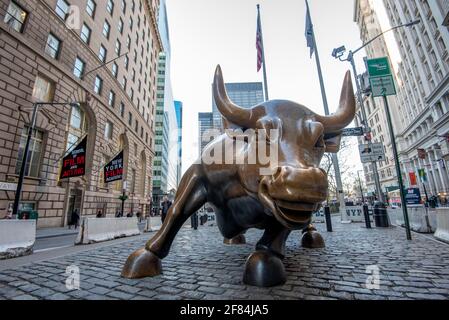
[346, 110]
[230, 111]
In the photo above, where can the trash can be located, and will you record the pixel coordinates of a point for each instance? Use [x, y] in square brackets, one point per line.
[380, 215]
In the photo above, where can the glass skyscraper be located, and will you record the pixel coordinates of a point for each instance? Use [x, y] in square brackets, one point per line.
[244, 94]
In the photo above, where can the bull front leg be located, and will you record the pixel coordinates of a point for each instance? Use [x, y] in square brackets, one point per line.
[191, 195]
[311, 238]
[264, 267]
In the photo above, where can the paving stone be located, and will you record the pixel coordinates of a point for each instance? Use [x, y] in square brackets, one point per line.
[24, 297]
[421, 296]
[408, 270]
[42, 293]
[120, 295]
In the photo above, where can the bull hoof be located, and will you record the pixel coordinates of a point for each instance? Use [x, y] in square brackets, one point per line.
[240, 239]
[142, 263]
[264, 269]
[312, 239]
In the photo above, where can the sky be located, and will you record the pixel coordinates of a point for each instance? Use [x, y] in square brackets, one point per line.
[205, 33]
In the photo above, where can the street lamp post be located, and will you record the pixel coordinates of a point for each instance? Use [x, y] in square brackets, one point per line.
[338, 53]
[31, 128]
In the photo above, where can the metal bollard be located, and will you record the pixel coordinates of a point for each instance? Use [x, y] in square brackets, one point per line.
[327, 216]
[367, 219]
[194, 221]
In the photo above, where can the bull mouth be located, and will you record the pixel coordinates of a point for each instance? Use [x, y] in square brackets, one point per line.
[296, 214]
[292, 215]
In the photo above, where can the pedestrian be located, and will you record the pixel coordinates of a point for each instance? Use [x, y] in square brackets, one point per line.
[74, 219]
[166, 204]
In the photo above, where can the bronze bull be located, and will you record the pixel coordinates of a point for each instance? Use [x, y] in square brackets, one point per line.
[279, 202]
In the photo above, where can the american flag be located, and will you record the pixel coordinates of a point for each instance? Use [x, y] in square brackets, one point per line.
[259, 44]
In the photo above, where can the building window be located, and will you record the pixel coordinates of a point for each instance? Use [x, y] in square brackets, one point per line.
[120, 26]
[122, 109]
[98, 85]
[102, 54]
[124, 83]
[85, 33]
[62, 9]
[136, 126]
[111, 99]
[43, 90]
[108, 130]
[110, 7]
[130, 118]
[53, 45]
[106, 29]
[34, 156]
[131, 22]
[133, 6]
[123, 6]
[118, 47]
[128, 42]
[114, 69]
[90, 8]
[131, 93]
[78, 69]
[126, 62]
[15, 16]
[78, 126]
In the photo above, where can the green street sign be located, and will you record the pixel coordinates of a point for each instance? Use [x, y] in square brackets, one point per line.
[378, 67]
[382, 86]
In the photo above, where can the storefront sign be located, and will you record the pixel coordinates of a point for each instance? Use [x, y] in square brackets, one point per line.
[74, 164]
[413, 196]
[113, 171]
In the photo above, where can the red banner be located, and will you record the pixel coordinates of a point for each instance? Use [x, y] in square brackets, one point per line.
[74, 164]
[412, 177]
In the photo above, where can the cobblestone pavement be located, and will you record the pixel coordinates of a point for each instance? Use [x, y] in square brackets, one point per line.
[200, 266]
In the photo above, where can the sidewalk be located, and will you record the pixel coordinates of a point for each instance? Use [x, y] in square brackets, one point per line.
[200, 266]
[55, 232]
[65, 231]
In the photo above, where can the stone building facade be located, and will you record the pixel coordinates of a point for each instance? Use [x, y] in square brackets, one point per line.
[64, 51]
[420, 109]
[368, 22]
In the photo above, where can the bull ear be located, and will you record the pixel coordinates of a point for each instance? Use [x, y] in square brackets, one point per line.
[332, 142]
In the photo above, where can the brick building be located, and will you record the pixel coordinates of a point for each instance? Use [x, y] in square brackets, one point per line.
[53, 51]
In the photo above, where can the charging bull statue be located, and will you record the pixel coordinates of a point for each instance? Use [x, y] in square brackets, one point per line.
[243, 198]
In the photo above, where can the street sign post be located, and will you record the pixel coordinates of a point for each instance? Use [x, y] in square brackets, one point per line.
[382, 86]
[357, 131]
[380, 77]
[371, 152]
[378, 67]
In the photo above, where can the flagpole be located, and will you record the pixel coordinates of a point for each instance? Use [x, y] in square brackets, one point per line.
[263, 54]
[338, 181]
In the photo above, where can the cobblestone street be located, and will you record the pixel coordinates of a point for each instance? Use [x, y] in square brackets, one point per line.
[200, 266]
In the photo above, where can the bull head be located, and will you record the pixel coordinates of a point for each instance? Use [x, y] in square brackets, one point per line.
[297, 186]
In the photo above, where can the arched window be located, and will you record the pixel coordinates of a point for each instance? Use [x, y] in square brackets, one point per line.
[78, 125]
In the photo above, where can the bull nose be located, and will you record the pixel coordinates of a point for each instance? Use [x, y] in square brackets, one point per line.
[293, 183]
